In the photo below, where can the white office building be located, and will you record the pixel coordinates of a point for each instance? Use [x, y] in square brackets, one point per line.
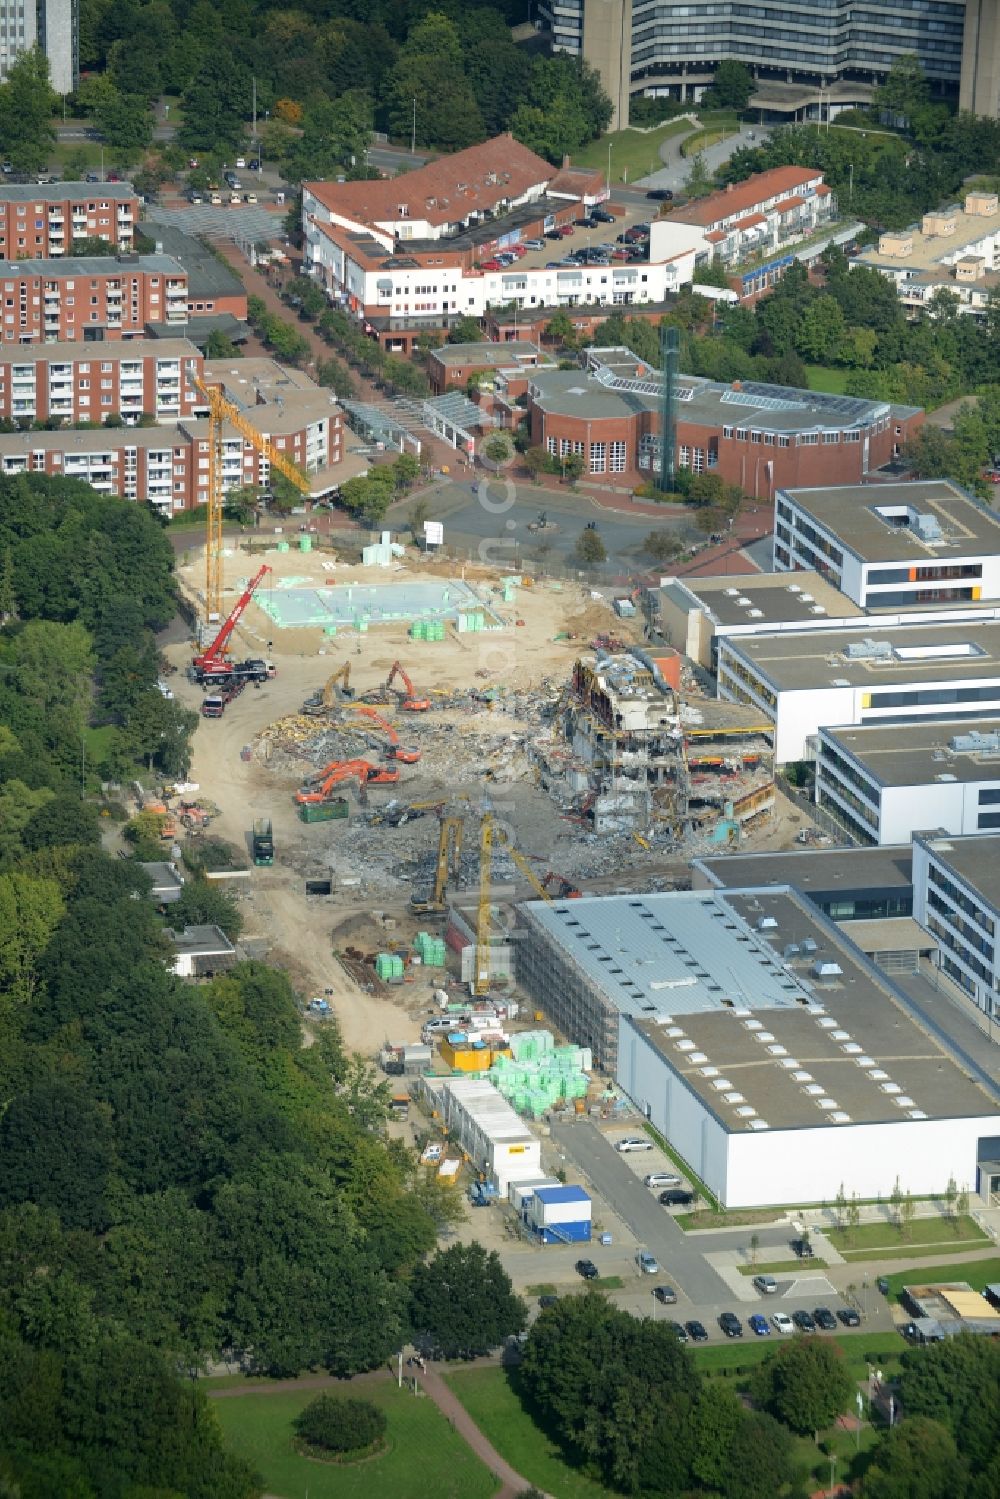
[52, 25]
[892, 546]
[881, 786]
[761, 1042]
[904, 674]
[956, 896]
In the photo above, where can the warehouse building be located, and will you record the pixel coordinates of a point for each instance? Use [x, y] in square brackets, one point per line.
[900, 546]
[881, 787]
[910, 674]
[760, 1041]
[956, 896]
[856, 885]
[497, 1141]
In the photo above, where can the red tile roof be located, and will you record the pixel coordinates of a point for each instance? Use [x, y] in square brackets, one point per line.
[787, 204]
[744, 196]
[750, 222]
[823, 191]
[578, 181]
[444, 191]
[716, 236]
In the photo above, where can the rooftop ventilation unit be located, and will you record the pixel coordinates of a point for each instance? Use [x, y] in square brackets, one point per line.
[685, 1046]
[903, 1102]
[865, 1061]
[878, 1074]
[852, 1048]
[825, 1023]
[745, 1111]
[839, 1117]
[817, 609]
[766, 924]
[815, 1090]
[754, 1025]
[891, 1088]
[917, 1114]
[789, 1064]
[793, 588]
[758, 1124]
[743, 601]
[756, 613]
[827, 1104]
[790, 951]
[738, 1098]
[824, 969]
[869, 650]
[974, 743]
[802, 1076]
[807, 945]
[710, 1072]
[840, 1035]
[731, 593]
[927, 527]
[764, 1036]
[777, 1050]
[698, 1056]
[807, 598]
[722, 1084]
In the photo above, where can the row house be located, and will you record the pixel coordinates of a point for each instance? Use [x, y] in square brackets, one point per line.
[90, 299]
[130, 378]
[45, 222]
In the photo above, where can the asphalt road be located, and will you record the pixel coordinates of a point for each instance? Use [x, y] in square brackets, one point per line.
[676, 168]
[471, 519]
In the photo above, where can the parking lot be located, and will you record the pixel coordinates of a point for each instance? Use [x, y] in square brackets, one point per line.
[625, 214]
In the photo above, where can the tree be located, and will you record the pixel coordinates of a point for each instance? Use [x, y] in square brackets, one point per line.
[853, 1214]
[957, 1384]
[904, 90]
[26, 102]
[498, 448]
[216, 104]
[63, 820]
[590, 549]
[698, 183]
[896, 1204]
[463, 1300]
[405, 469]
[662, 546]
[537, 462]
[203, 903]
[218, 346]
[573, 465]
[821, 333]
[466, 330]
[840, 1207]
[907, 1209]
[429, 70]
[754, 1249]
[30, 911]
[805, 1384]
[731, 87]
[338, 1425]
[126, 123]
[559, 329]
[8, 598]
[962, 1203]
[56, 1151]
[918, 1460]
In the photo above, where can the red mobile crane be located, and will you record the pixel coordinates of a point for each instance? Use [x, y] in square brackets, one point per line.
[396, 750]
[215, 661]
[362, 771]
[410, 702]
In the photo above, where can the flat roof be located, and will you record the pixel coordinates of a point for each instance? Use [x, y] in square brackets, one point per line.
[488, 353]
[974, 859]
[70, 440]
[208, 276]
[206, 940]
[105, 349]
[851, 512]
[90, 265]
[844, 1056]
[816, 660]
[924, 754]
[776, 598]
[936, 251]
[63, 192]
[815, 871]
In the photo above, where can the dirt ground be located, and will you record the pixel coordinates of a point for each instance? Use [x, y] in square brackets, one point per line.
[373, 869]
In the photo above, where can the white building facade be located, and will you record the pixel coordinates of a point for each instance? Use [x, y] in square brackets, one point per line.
[955, 898]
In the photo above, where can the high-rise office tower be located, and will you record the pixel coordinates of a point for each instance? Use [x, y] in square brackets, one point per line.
[51, 24]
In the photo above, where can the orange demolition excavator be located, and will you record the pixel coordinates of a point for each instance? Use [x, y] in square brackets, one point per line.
[395, 750]
[409, 701]
[361, 771]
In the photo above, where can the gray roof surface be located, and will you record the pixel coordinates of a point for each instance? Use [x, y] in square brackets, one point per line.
[489, 353]
[205, 940]
[800, 1065]
[207, 275]
[90, 265]
[772, 408]
[974, 859]
[922, 755]
[815, 870]
[63, 192]
[796, 661]
[782, 598]
[170, 347]
[848, 512]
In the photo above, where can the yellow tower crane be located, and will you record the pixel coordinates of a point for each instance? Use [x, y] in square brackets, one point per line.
[488, 832]
[220, 411]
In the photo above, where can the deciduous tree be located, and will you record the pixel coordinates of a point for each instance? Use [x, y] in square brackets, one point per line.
[463, 1300]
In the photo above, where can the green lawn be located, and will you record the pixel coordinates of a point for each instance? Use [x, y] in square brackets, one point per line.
[871, 1240]
[822, 377]
[977, 1274]
[425, 1456]
[490, 1396]
[859, 1347]
[634, 153]
[775, 1266]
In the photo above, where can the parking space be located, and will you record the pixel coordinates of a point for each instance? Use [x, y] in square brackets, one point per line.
[625, 214]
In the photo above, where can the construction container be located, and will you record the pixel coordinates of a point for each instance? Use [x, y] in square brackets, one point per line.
[389, 968]
[305, 543]
[464, 1055]
[560, 1215]
[521, 1192]
[431, 950]
[328, 811]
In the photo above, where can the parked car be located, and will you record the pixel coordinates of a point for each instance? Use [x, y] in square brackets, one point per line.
[552, 234]
[241, 161]
[490, 265]
[666, 1295]
[634, 1142]
[7, 167]
[637, 231]
[546, 1301]
[696, 1332]
[679, 1332]
[765, 1284]
[882, 1285]
[647, 1263]
[661, 1179]
[804, 1321]
[825, 1319]
[620, 253]
[782, 1322]
[601, 216]
[584, 223]
[803, 1249]
[848, 1316]
[565, 230]
[194, 196]
[759, 1325]
[660, 195]
[533, 244]
[587, 1269]
[676, 1197]
[731, 1324]
[250, 197]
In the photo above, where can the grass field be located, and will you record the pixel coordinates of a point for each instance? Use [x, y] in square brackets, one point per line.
[490, 1396]
[775, 1266]
[425, 1456]
[822, 377]
[634, 153]
[883, 1240]
[977, 1274]
[738, 1353]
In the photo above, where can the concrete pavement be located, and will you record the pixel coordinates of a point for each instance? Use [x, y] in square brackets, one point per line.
[676, 167]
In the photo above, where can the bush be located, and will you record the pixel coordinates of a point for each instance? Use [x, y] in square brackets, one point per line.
[341, 1425]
